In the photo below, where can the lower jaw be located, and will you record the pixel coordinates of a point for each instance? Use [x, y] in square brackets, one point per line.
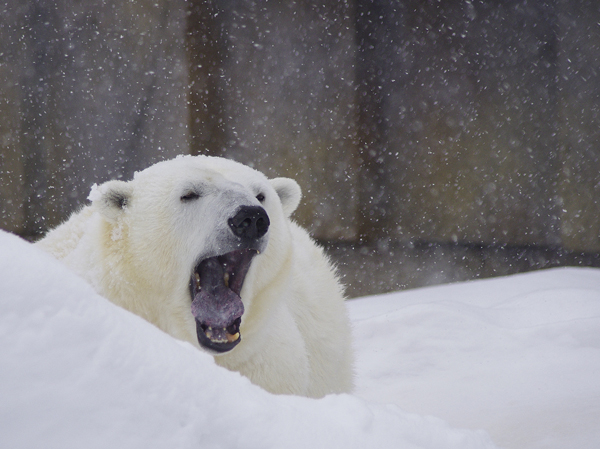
[212, 346]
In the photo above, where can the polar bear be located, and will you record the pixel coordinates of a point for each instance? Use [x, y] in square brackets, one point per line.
[204, 248]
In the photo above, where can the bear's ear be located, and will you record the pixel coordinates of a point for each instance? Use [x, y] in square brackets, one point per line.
[111, 198]
[289, 193]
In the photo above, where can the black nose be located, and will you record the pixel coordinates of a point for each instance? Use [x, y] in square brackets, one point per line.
[251, 222]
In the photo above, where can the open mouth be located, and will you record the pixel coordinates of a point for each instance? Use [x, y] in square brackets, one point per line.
[215, 287]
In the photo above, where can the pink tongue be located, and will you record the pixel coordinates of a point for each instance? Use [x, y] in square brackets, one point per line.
[215, 304]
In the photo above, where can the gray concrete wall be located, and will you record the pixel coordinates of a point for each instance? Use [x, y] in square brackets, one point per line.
[91, 91]
[411, 126]
[12, 157]
[463, 143]
[285, 98]
[579, 124]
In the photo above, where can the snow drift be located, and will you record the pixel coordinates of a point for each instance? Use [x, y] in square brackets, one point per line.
[518, 357]
[77, 371]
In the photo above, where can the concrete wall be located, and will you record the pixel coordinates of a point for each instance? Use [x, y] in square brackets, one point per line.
[579, 124]
[91, 91]
[434, 141]
[284, 99]
[465, 129]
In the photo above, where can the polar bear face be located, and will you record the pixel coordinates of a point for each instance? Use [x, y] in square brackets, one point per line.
[191, 240]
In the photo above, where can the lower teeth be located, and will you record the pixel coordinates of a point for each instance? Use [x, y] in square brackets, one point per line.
[229, 338]
[232, 338]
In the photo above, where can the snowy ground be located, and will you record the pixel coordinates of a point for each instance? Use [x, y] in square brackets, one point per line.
[518, 357]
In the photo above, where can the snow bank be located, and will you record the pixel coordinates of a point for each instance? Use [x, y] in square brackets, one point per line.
[517, 356]
[77, 371]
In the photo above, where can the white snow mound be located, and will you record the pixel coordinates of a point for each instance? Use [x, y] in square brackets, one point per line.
[78, 371]
[518, 356]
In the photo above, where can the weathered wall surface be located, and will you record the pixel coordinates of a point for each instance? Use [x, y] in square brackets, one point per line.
[285, 97]
[411, 126]
[579, 119]
[12, 186]
[480, 122]
[92, 91]
[464, 122]
[465, 128]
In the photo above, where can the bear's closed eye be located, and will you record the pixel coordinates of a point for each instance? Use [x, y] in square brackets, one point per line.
[190, 196]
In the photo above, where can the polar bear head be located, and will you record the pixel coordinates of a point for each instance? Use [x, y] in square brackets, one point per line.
[188, 244]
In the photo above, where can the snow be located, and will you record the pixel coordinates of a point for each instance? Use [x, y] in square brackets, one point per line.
[517, 357]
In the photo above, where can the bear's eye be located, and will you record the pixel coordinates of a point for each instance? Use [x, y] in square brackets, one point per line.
[190, 196]
[260, 197]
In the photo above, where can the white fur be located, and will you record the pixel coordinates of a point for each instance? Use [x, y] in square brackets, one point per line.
[137, 244]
